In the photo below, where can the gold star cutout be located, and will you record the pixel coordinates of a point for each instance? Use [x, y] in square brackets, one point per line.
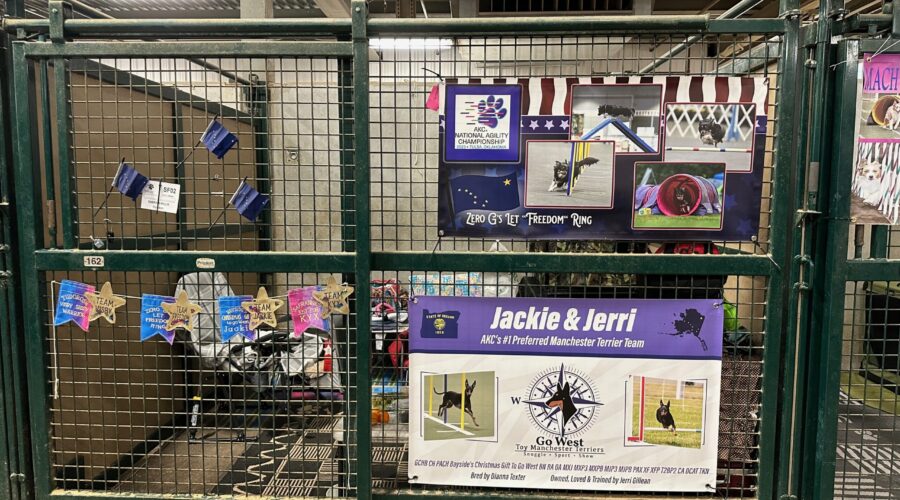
[105, 304]
[262, 309]
[506, 182]
[181, 313]
[334, 298]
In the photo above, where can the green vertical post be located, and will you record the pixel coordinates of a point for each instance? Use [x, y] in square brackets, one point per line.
[817, 99]
[362, 387]
[58, 12]
[820, 438]
[10, 347]
[777, 390]
[47, 150]
[8, 441]
[30, 234]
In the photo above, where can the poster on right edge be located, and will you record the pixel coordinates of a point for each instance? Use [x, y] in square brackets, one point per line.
[876, 177]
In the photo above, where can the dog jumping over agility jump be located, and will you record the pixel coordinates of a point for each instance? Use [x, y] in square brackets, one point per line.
[452, 399]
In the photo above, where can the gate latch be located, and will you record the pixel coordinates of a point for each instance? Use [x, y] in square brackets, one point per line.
[801, 215]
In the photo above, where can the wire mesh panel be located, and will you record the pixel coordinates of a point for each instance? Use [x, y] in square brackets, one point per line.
[867, 450]
[404, 133]
[207, 414]
[405, 157]
[290, 123]
[738, 459]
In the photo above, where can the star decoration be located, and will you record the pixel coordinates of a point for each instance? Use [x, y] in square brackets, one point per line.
[442, 122]
[564, 124]
[262, 309]
[506, 182]
[534, 124]
[181, 313]
[333, 298]
[548, 124]
[105, 303]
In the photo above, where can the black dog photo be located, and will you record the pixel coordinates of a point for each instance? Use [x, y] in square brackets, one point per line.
[569, 174]
[627, 114]
[666, 412]
[711, 133]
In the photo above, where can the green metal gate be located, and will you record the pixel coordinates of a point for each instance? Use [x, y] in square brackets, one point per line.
[852, 385]
[340, 137]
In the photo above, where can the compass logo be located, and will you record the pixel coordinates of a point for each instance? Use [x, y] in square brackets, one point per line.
[562, 402]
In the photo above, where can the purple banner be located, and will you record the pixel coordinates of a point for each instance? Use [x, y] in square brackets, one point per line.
[881, 73]
[678, 329]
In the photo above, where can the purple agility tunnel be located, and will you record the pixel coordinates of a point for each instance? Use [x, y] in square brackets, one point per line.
[699, 196]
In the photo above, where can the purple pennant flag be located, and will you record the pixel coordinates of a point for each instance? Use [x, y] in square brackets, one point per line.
[306, 311]
[248, 201]
[217, 139]
[129, 181]
[72, 305]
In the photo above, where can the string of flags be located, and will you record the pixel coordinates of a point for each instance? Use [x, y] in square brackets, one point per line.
[160, 196]
[239, 315]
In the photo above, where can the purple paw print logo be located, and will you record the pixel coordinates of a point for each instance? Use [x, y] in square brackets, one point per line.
[491, 111]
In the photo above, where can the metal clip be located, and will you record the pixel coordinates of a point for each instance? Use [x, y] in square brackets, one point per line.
[17, 477]
[4, 278]
[837, 14]
[791, 14]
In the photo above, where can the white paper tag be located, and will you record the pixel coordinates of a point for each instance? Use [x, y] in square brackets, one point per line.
[94, 261]
[161, 197]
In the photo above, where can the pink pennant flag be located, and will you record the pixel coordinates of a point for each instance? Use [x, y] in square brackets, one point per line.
[434, 98]
[306, 312]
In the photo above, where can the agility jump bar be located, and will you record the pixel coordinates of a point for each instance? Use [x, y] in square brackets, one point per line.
[712, 150]
[615, 122]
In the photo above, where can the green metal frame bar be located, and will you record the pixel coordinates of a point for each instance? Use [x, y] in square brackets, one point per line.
[776, 391]
[17, 434]
[230, 49]
[68, 197]
[30, 234]
[185, 28]
[143, 28]
[581, 24]
[820, 438]
[186, 261]
[47, 150]
[361, 392]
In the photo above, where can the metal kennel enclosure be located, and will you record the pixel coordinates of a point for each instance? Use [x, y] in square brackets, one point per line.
[339, 136]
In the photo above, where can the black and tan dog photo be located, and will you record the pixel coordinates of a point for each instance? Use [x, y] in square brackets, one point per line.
[459, 405]
[455, 399]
